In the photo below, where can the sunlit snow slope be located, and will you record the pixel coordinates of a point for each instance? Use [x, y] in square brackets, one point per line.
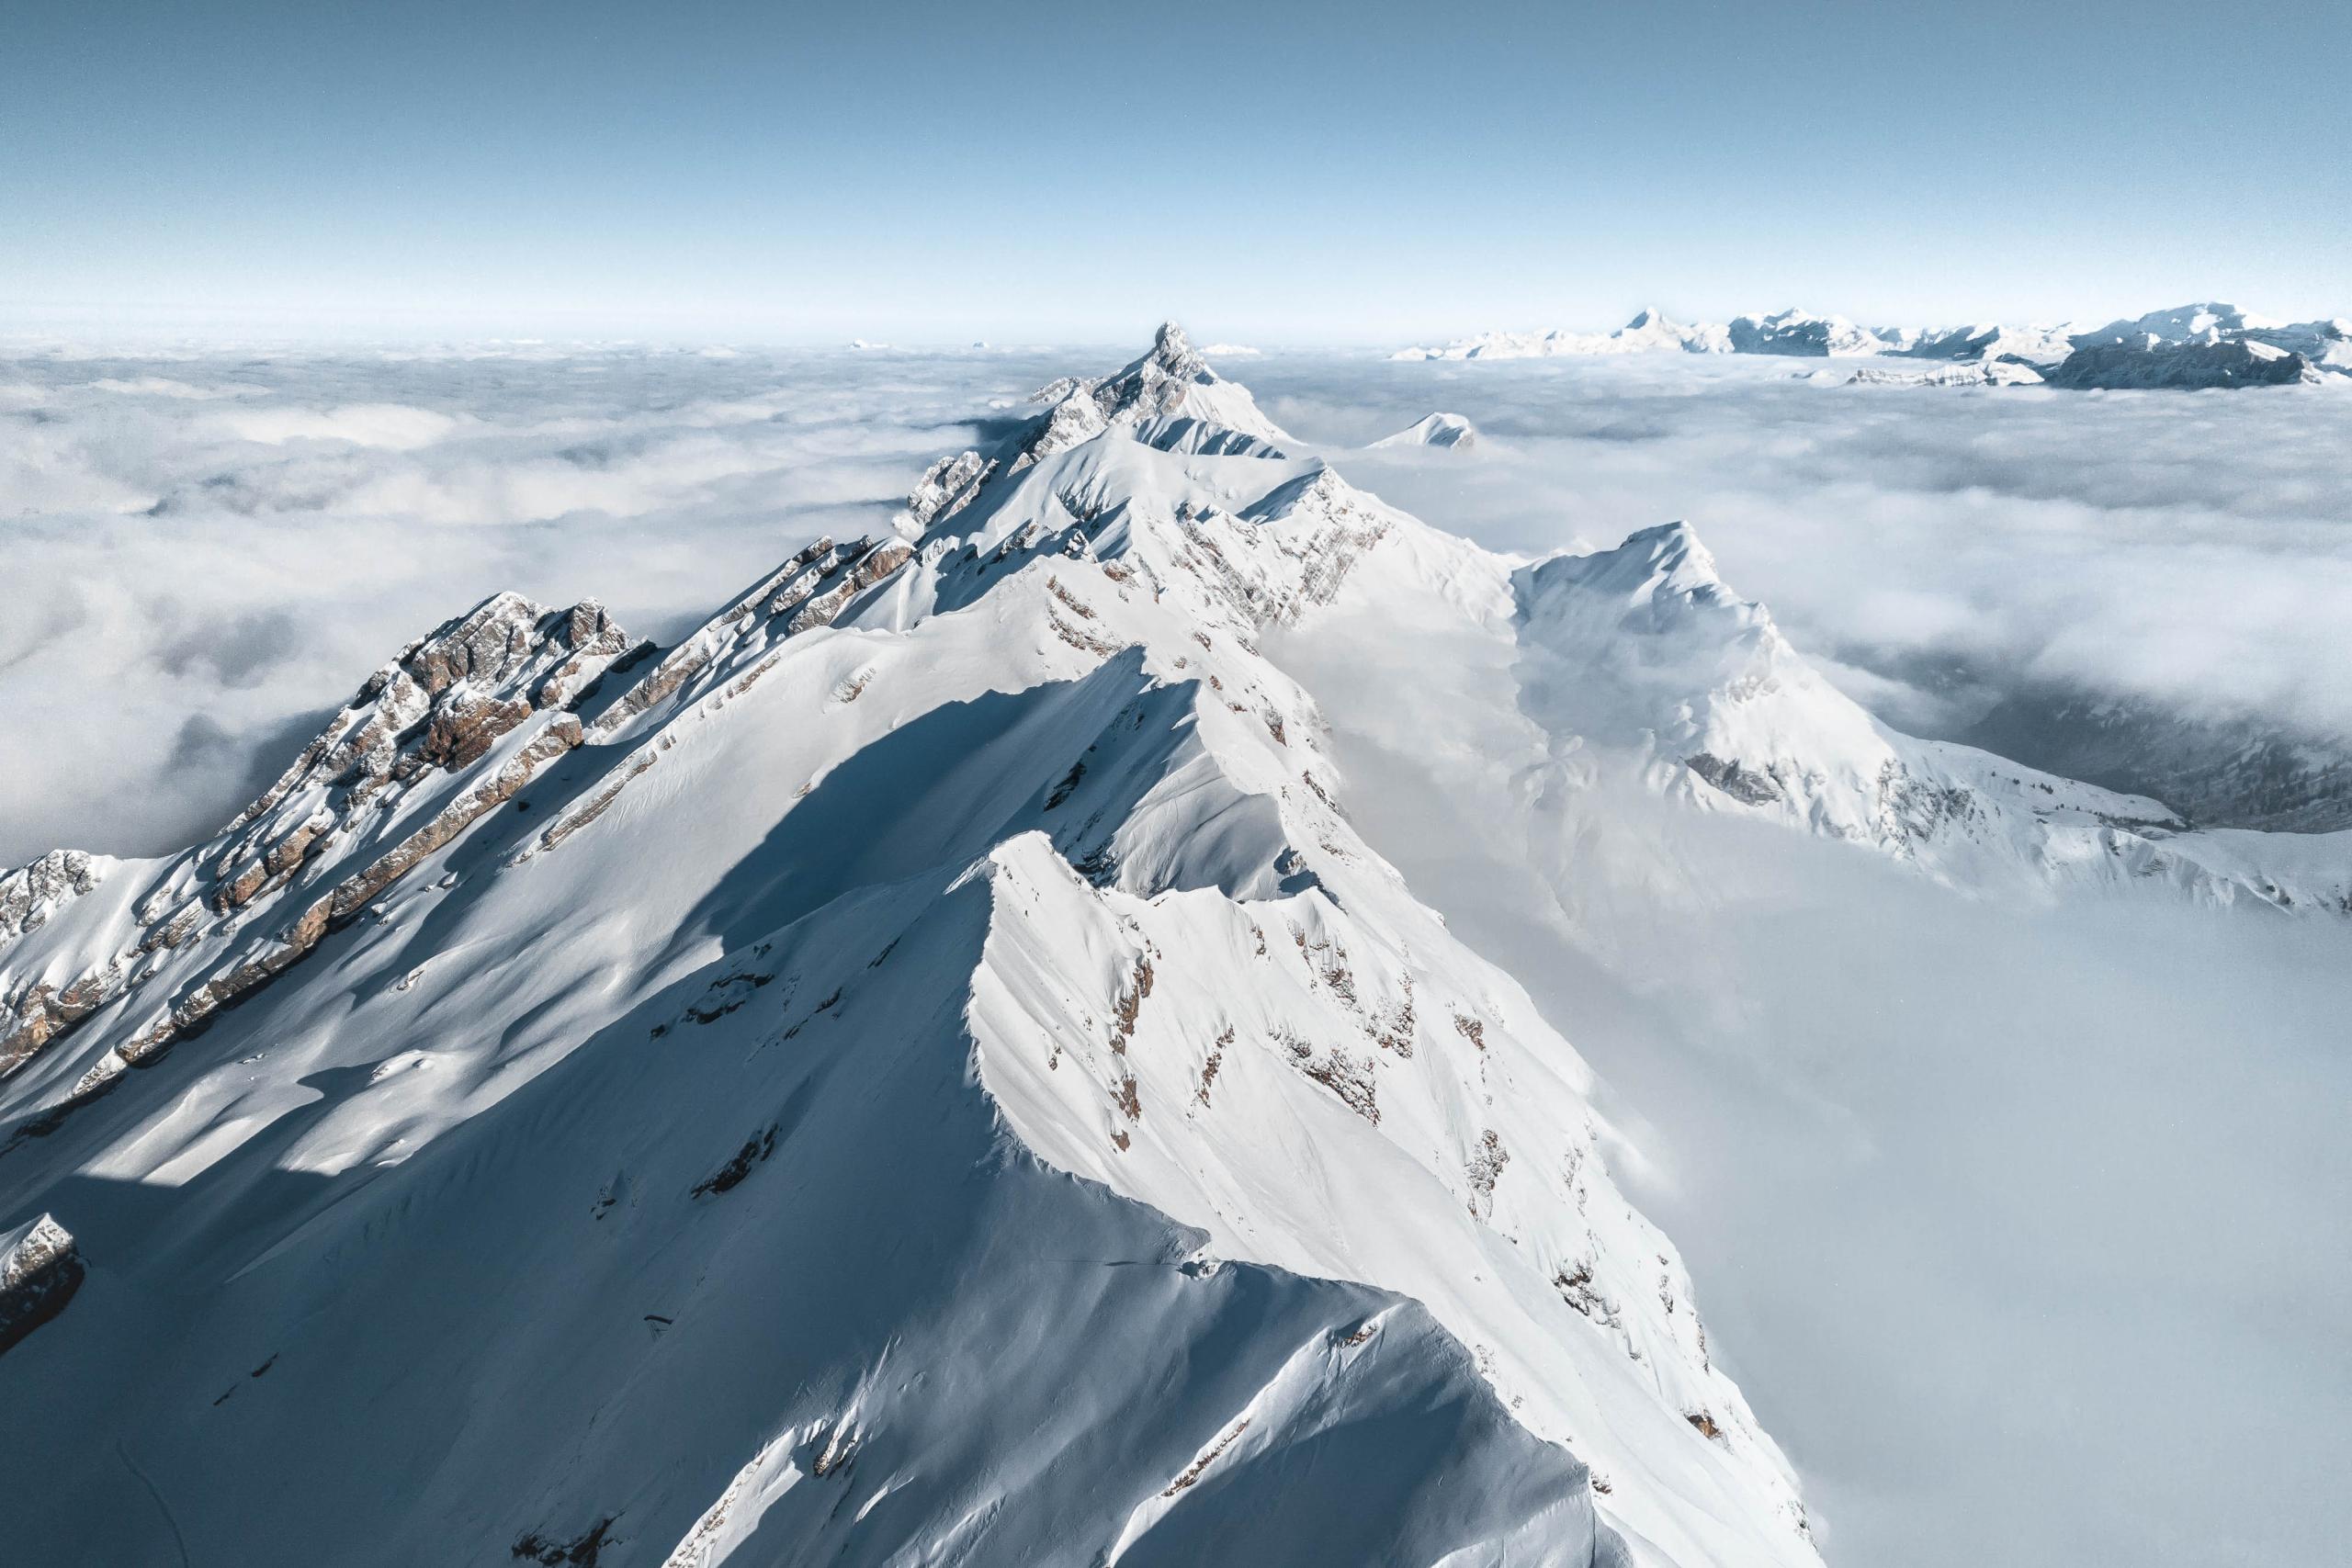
[922, 1071]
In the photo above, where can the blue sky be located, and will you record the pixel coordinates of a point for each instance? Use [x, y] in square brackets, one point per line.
[1370, 173]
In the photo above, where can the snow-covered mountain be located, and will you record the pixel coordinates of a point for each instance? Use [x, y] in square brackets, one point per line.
[1803, 335]
[1434, 430]
[2208, 322]
[1980, 372]
[1791, 332]
[924, 1069]
[1639, 663]
[2190, 365]
[1650, 331]
[2188, 347]
[1991, 341]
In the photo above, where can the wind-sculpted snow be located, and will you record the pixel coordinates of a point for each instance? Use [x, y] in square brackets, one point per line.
[925, 1068]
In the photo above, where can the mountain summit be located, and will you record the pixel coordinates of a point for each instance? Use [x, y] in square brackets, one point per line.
[925, 1068]
[922, 1068]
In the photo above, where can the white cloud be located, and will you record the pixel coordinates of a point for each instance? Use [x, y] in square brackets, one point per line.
[396, 426]
[2192, 549]
[2195, 548]
[191, 585]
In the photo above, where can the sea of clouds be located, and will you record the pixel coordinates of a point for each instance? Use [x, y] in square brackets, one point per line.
[206, 551]
[2017, 1225]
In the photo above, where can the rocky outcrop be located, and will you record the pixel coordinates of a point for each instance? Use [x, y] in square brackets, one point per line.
[945, 486]
[382, 785]
[441, 705]
[39, 1271]
[30, 894]
[1743, 784]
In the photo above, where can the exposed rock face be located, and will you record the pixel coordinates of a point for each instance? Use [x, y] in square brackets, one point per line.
[39, 1271]
[30, 894]
[2185, 366]
[1739, 782]
[946, 485]
[386, 783]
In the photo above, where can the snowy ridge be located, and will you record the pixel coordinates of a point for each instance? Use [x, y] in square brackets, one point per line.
[800, 1096]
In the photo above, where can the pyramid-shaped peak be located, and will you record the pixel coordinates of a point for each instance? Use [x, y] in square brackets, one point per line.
[1668, 559]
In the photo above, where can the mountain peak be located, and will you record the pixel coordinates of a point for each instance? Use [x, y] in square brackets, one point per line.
[1438, 429]
[1666, 561]
[1173, 349]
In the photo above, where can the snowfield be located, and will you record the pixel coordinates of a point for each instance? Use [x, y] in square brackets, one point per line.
[941, 1062]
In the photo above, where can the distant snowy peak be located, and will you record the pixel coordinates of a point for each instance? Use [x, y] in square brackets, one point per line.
[2193, 364]
[2187, 346]
[1972, 372]
[1991, 340]
[1649, 331]
[1794, 332]
[2207, 322]
[1434, 430]
[2205, 345]
[1799, 333]
[1644, 654]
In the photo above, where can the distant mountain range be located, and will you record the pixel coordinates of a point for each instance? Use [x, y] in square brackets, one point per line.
[2197, 345]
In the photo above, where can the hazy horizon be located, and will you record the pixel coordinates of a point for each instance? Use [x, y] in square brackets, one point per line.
[937, 175]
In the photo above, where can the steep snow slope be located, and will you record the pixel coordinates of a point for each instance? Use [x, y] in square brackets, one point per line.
[1635, 673]
[1967, 1143]
[911, 1074]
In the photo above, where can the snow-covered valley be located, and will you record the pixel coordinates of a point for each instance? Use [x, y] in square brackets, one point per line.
[1041, 1031]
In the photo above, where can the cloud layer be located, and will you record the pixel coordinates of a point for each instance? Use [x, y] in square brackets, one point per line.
[1931, 546]
[206, 551]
